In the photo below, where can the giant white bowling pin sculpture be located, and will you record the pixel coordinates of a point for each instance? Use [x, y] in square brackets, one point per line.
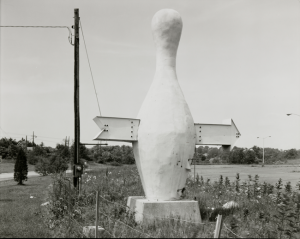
[164, 135]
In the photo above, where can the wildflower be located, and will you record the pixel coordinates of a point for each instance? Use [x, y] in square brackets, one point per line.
[231, 204]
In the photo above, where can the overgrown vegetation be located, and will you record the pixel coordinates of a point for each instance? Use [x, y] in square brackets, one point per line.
[263, 211]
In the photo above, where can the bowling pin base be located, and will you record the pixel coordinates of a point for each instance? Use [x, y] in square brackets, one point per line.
[147, 211]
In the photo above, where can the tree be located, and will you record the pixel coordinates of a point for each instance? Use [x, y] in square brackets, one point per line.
[58, 164]
[212, 153]
[257, 151]
[127, 155]
[35, 154]
[83, 152]
[106, 157]
[12, 150]
[21, 168]
[249, 157]
[236, 155]
[291, 154]
[63, 151]
[117, 154]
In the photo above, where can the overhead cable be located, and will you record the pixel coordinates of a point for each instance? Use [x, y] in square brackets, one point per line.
[70, 33]
[90, 66]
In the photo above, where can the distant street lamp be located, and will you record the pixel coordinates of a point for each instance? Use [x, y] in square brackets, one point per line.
[292, 114]
[263, 149]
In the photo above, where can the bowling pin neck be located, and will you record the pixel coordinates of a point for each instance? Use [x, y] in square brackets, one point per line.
[166, 30]
[165, 61]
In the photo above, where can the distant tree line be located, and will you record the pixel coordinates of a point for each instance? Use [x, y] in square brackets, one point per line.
[62, 155]
[254, 155]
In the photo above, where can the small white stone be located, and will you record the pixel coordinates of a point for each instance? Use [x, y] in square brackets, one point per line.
[45, 204]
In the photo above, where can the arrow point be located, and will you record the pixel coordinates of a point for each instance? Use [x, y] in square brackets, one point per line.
[227, 121]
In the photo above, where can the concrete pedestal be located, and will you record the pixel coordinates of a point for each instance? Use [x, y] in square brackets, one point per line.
[149, 211]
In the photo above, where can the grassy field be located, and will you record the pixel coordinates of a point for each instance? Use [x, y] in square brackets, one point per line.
[7, 166]
[269, 173]
[20, 215]
[263, 212]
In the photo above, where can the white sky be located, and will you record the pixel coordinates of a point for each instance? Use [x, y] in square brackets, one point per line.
[237, 59]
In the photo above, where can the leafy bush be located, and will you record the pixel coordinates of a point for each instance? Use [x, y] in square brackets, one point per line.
[32, 158]
[51, 165]
[43, 166]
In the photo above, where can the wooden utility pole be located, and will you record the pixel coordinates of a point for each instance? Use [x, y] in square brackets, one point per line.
[33, 138]
[66, 141]
[76, 95]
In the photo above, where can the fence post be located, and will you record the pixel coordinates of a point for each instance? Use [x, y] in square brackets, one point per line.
[218, 227]
[69, 207]
[97, 214]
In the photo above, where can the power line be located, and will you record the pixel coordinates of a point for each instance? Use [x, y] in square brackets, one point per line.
[70, 33]
[8, 134]
[89, 66]
[4, 131]
[29, 134]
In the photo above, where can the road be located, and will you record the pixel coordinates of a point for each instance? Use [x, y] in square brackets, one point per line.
[10, 176]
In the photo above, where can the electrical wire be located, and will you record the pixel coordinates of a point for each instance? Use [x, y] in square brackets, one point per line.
[70, 33]
[90, 66]
[4, 132]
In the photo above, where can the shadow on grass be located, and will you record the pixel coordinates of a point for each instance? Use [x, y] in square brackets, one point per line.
[6, 200]
[26, 185]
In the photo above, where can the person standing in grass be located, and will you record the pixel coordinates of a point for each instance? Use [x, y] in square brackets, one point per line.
[21, 167]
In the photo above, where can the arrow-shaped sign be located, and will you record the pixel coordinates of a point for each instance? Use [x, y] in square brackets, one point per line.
[217, 134]
[126, 130]
[117, 129]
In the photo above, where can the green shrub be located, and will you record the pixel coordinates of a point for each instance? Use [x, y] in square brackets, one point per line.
[51, 165]
[21, 168]
[32, 158]
[43, 166]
